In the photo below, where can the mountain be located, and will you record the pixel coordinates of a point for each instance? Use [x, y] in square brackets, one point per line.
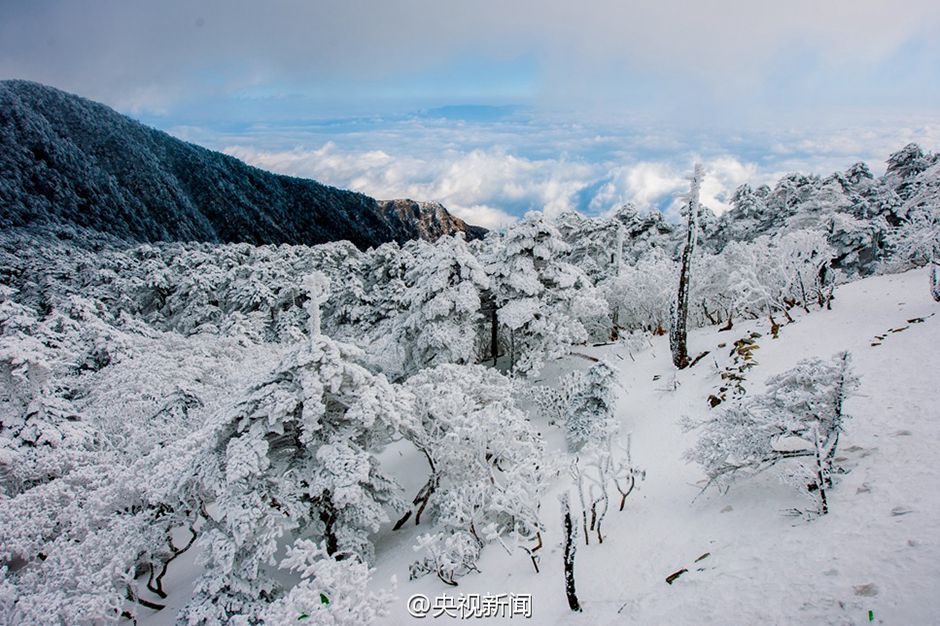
[429, 220]
[67, 160]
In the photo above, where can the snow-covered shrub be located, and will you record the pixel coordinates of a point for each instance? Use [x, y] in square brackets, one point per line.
[331, 592]
[589, 416]
[553, 403]
[82, 542]
[485, 463]
[800, 416]
[771, 275]
[601, 467]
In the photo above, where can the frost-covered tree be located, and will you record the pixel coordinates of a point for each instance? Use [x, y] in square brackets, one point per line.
[590, 414]
[90, 546]
[43, 431]
[804, 258]
[747, 217]
[771, 275]
[601, 467]
[640, 296]
[643, 231]
[904, 166]
[293, 457]
[596, 243]
[680, 310]
[485, 468]
[441, 325]
[331, 592]
[917, 242]
[800, 416]
[542, 298]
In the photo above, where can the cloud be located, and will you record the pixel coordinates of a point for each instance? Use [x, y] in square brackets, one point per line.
[490, 172]
[661, 185]
[492, 188]
[668, 56]
[472, 184]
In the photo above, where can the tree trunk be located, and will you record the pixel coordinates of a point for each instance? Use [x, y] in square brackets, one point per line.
[680, 309]
[328, 517]
[494, 335]
[821, 475]
[711, 319]
[935, 280]
[570, 549]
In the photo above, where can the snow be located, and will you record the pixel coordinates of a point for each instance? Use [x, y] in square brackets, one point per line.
[877, 550]
[189, 387]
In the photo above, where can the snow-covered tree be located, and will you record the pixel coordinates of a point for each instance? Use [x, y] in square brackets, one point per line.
[641, 294]
[485, 468]
[441, 325]
[903, 168]
[800, 416]
[805, 257]
[596, 243]
[293, 456]
[542, 299]
[917, 242]
[331, 592]
[643, 231]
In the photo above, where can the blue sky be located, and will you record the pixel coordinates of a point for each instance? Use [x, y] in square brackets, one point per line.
[494, 108]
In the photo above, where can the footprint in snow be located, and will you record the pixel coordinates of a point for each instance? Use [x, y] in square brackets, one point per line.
[901, 433]
[900, 510]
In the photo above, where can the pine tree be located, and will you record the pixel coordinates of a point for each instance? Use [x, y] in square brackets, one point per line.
[441, 325]
[294, 455]
[541, 297]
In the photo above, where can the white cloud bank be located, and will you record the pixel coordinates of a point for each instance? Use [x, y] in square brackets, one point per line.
[490, 173]
[491, 188]
[476, 185]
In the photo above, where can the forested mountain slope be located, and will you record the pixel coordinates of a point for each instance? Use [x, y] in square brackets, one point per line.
[68, 160]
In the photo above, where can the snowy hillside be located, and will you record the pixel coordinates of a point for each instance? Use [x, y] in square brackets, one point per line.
[878, 549]
[729, 431]
[65, 160]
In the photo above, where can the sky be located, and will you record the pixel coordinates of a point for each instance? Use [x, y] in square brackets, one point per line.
[496, 108]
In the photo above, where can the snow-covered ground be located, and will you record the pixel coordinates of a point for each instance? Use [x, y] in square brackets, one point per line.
[878, 550]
